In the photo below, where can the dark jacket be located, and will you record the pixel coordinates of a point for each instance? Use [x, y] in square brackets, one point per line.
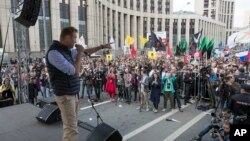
[62, 83]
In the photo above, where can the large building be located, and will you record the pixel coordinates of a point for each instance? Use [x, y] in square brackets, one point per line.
[220, 10]
[247, 19]
[98, 20]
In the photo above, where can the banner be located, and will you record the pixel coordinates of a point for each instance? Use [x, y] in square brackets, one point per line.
[152, 55]
[109, 57]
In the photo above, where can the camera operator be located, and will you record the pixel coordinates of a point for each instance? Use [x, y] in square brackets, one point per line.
[216, 123]
[89, 82]
[240, 105]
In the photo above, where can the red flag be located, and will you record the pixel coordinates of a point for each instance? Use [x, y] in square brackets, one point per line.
[186, 59]
[169, 50]
[132, 51]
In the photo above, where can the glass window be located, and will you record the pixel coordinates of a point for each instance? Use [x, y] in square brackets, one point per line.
[145, 5]
[167, 10]
[206, 3]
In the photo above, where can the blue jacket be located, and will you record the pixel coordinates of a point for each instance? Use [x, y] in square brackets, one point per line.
[165, 82]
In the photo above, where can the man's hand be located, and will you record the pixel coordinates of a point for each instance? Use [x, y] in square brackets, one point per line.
[79, 48]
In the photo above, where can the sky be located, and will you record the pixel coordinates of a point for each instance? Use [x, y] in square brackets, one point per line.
[241, 7]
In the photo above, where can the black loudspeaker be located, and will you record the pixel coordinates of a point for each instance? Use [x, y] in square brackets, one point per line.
[29, 12]
[104, 132]
[45, 101]
[49, 114]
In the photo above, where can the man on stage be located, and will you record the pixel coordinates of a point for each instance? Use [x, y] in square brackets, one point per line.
[64, 65]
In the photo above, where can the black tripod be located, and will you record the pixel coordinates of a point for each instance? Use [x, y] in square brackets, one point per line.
[98, 117]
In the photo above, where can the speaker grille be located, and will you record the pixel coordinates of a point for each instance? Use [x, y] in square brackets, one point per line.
[49, 114]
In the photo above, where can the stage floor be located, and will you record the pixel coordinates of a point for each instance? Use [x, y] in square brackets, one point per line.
[18, 123]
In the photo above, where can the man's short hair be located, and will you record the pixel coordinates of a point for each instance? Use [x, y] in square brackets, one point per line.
[67, 31]
[226, 110]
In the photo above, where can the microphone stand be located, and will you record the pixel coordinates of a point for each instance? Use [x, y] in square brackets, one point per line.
[98, 117]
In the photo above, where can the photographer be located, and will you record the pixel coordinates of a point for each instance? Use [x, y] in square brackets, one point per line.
[89, 82]
[83, 76]
[222, 134]
[189, 85]
[216, 123]
[240, 105]
[120, 85]
[97, 84]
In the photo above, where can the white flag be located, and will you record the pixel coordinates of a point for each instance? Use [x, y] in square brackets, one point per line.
[81, 41]
[112, 42]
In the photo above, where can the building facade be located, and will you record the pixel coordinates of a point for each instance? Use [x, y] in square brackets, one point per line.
[247, 19]
[98, 20]
[220, 10]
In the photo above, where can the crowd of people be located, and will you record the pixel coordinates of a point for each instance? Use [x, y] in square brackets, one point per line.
[128, 79]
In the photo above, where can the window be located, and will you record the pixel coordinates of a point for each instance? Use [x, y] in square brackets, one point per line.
[160, 6]
[125, 4]
[205, 13]
[138, 5]
[183, 26]
[206, 3]
[145, 6]
[159, 24]
[131, 4]
[213, 3]
[191, 26]
[167, 4]
[144, 26]
[213, 13]
[151, 24]
[152, 7]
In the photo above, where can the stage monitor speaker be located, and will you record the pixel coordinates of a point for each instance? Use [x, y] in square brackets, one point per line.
[104, 132]
[29, 12]
[49, 114]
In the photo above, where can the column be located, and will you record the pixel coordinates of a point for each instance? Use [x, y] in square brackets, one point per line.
[196, 26]
[55, 19]
[34, 38]
[163, 23]
[164, 7]
[4, 18]
[148, 6]
[148, 25]
[140, 29]
[141, 5]
[187, 30]
[171, 31]
[116, 30]
[155, 24]
[179, 30]
[134, 30]
[106, 24]
[110, 23]
[128, 25]
[122, 30]
[101, 25]
[73, 6]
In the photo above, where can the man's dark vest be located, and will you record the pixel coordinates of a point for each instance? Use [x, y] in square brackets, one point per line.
[62, 83]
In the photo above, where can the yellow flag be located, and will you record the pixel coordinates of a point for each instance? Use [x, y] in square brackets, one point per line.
[143, 41]
[129, 40]
[109, 57]
[152, 55]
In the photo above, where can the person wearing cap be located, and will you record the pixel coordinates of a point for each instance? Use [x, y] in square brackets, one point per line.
[7, 91]
[240, 104]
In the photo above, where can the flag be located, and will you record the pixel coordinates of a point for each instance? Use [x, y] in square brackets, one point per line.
[192, 49]
[209, 48]
[129, 40]
[143, 41]
[169, 51]
[220, 45]
[81, 41]
[203, 45]
[186, 59]
[132, 51]
[183, 46]
[112, 42]
[156, 42]
[152, 55]
[109, 57]
[197, 37]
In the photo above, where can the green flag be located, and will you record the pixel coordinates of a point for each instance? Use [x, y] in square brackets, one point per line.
[203, 44]
[209, 48]
[183, 46]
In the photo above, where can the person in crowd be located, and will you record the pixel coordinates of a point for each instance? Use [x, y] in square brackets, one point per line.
[134, 82]
[14, 77]
[144, 90]
[97, 83]
[33, 90]
[128, 85]
[241, 77]
[168, 90]
[89, 82]
[110, 84]
[120, 85]
[44, 84]
[155, 91]
[177, 87]
[83, 77]
[7, 92]
[189, 85]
